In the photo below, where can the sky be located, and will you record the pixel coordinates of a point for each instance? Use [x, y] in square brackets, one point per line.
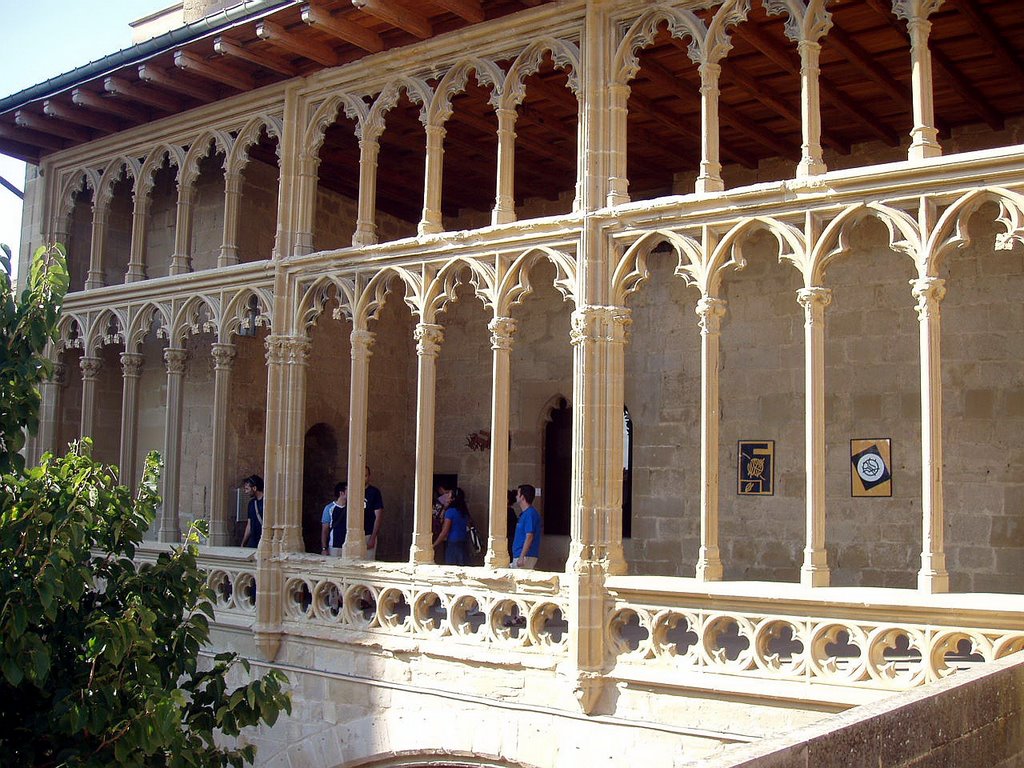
[44, 38]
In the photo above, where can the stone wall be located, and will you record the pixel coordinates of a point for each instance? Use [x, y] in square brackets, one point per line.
[208, 213]
[117, 241]
[257, 211]
[971, 719]
[107, 412]
[79, 242]
[247, 418]
[161, 221]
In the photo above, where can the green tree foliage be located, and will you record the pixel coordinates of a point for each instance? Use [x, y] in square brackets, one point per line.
[99, 657]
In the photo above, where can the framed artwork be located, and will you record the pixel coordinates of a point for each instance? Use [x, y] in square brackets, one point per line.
[870, 467]
[755, 471]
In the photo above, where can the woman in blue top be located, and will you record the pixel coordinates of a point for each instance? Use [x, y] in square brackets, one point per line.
[453, 531]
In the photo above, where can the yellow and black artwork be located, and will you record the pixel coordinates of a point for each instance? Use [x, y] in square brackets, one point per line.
[756, 469]
[870, 460]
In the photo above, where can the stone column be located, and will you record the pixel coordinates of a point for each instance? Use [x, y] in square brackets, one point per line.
[100, 213]
[91, 367]
[504, 198]
[307, 183]
[183, 230]
[710, 310]
[221, 521]
[618, 181]
[282, 524]
[815, 571]
[428, 345]
[131, 370]
[598, 337]
[355, 539]
[366, 227]
[502, 330]
[924, 135]
[170, 527]
[431, 221]
[49, 391]
[137, 259]
[287, 358]
[933, 576]
[232, 198]
[811, 159]
[710, 177]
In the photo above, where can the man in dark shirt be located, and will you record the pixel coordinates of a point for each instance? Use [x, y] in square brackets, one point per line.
[373, 513]
[253, 486]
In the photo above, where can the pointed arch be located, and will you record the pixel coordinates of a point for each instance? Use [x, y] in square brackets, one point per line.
[71, 332]
[728, 253]
[904, 236]
[371, 298]
[142, 321]
[111, 173]
[199, 149]
[454, 82]
[175, 157]
[681, 23]
[327, 114]
[515, 283]
[564, 54]
[189, 319]
[317, 294]
[99, 333]
[418, 92]
[238, 155]
[950, 232]
[631, 270]
[237, 312]
[440, 291]
[74, 182]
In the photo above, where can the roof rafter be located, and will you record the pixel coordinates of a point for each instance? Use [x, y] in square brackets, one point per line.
[111, 106]
[413, 22]
[25, 119]
[224, 47]
[345, 30]
[118, 86]
[154, 75]
[213, 70]
[75, 114]
[277, 35]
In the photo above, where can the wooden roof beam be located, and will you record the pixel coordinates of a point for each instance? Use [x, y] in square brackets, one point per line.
[215, 71]
[679, 125]
[987, 31]
[416, 24]
[54, 126]
[148, 73]
[89, 100]
[73, 114]
[781, 57]
[734, 73]
[468, 10]
[118, 86]
[960, 85]
[277, 35]
[224, 47]
[30, 138]
[344, 30]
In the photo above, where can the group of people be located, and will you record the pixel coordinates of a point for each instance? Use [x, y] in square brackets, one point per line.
[451, 522]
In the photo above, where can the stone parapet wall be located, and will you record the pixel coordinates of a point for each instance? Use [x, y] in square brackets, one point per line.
[971, 720]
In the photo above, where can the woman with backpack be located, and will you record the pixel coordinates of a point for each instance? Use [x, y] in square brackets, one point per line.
[453, 530]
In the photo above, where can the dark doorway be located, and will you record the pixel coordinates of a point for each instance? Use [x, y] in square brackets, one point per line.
[320, 457]
[557, 489]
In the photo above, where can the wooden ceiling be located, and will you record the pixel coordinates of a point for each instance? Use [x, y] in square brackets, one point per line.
[978, 61]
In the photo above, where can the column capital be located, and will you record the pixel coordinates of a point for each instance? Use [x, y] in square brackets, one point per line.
[223, 355]
[362, 340]
[502, 329]
[599, 323]
[710, 311]
[90, 366]
[131, 364]
[287, 350]
[429, 337]
[915, 11]
[175, 359]
[59, 375]
[928, 291]
[814, 297]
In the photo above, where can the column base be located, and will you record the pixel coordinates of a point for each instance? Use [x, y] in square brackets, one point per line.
[588, 689]
[268, 643]
[933, 580]
[502, 216]
[810, 168]
[815, 576]
[709, 567]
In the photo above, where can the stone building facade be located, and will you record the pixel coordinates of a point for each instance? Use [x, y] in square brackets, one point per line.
[252, 291]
